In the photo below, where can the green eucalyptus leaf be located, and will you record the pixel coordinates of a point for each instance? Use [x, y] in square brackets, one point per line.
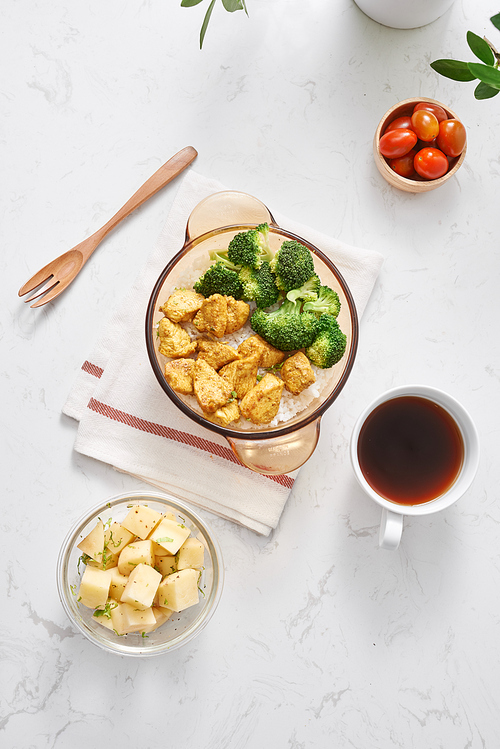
[486, 73]
[454, 69]
[205, 22]
[190, 3]
[495, 20]
[232, 5]
[481, 48]
[483, 91]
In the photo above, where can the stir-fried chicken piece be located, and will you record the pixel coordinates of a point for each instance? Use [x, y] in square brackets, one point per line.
[269, 356]
[215, 353]
[212, 316]
[182, 305]
[174, 341]
[225, 415]
[179, 375]
[237, 314]
[260, 405]
[297, 373]
[210, 389]
[241, 374]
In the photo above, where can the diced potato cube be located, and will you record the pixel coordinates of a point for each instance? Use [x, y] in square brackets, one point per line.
[141, 588]
[116, 537]
[119, 619]
[93, 544]
[138, 619]
[166, 565]
[159, 551]
[94, 587]
[141, 520]
[179, 591]
[190, 554]
[170, 534]
[118, 583]
[140, 552]
[161, 616]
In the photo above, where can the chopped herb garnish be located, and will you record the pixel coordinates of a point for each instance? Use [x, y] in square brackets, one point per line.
[106, 611]
[164, 540]
[144, 634]
[112, 540]
[84, 559]
[198, 584]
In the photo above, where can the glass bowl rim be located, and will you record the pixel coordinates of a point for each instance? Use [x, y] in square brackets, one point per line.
[213, 596]
[250, 434]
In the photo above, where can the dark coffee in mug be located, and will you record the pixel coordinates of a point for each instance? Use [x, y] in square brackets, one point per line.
[410, 450]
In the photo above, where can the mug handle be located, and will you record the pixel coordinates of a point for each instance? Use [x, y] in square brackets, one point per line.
[391, 528]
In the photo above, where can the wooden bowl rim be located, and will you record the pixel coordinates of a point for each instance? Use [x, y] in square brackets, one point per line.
[405, 180]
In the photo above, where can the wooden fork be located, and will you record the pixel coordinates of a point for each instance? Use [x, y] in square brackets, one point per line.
[51, 280]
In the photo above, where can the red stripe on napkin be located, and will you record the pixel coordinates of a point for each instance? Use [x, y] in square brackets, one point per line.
[92, 369]
[173, 434]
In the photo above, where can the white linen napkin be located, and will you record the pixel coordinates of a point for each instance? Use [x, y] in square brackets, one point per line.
[126, 419]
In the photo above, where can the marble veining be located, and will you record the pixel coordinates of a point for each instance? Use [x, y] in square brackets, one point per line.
[321, 639]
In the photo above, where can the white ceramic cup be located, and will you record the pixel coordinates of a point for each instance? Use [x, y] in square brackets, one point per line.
[391, 525]
[404, 14]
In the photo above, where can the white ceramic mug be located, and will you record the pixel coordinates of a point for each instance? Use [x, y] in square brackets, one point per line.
[391, 525]
[404, 14]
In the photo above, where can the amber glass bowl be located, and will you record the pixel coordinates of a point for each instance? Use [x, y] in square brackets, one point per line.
[265, 449]
[416, 184]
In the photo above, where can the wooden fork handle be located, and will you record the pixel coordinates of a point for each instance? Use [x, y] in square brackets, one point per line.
[159, 179]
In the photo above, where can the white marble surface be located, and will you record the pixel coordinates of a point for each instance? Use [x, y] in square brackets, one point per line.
[321, 639]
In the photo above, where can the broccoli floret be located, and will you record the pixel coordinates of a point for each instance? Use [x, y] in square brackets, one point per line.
[219, 279]
[293, 265]
[307, 292]
[287, 329]
[250, 247]
[327, 302]
[221, 256]
[259, 285]
[329, 345]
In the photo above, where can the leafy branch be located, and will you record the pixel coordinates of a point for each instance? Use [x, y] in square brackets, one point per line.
[229, 5]
[487, 71]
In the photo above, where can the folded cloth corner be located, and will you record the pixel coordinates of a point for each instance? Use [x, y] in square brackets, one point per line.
[126, 420]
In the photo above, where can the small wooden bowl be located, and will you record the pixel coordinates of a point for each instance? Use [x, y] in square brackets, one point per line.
[416, 184]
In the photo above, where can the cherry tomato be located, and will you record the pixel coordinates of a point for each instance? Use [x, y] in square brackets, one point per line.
[425, 124]
[436, 110]
[452, 137]
[399, 122]
[430, 163]
[397, 143]
[404, 164]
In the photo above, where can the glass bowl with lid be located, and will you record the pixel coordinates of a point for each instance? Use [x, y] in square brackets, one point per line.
[181, 627]
[266, 449]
